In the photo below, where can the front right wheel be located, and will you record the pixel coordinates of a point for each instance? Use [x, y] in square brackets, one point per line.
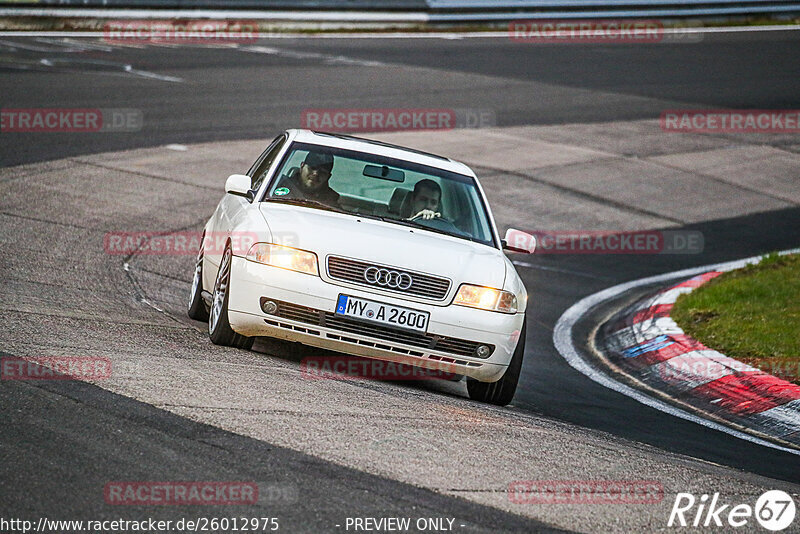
[219, 329]
[502, 391]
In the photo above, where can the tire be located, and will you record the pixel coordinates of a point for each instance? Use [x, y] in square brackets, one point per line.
[219, 329]
[501, 392]
[197, 308]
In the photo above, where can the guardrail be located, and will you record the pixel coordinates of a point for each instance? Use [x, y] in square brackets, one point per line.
[382, 5]
[412, 11]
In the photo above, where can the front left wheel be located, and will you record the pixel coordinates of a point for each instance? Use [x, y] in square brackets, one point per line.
[197, 308]
[219, 329]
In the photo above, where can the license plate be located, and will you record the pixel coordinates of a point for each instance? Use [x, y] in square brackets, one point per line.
[384, 314]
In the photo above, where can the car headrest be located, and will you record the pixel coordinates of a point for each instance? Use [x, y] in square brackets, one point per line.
[399, 197]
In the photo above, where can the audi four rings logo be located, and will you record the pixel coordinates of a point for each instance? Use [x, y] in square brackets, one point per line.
[387, 278]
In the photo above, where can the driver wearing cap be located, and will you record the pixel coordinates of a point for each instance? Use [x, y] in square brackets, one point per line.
[311, 179]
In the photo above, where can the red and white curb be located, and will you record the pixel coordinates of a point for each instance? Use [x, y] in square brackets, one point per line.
[654, 350]
[649, 345]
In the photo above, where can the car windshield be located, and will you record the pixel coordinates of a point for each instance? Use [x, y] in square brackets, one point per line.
[393, 190]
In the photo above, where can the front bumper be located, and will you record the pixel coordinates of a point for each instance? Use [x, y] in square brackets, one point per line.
[306, 315]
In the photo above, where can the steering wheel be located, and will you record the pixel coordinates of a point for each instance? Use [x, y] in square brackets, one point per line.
[437, 223]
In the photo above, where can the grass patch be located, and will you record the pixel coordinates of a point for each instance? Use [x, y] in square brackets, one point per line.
[750, 314]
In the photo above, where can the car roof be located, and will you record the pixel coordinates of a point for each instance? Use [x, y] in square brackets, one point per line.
[380, 148]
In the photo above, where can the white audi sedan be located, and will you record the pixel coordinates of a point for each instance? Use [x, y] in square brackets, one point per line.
[369, 249]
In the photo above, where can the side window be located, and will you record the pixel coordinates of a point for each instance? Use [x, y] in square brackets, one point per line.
[267, 159]
[260, 158]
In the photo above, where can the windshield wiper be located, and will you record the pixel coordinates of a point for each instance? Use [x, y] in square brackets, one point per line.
[415, 224]
[305, 202]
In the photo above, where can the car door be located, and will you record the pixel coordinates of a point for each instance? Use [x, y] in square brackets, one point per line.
[232, 212]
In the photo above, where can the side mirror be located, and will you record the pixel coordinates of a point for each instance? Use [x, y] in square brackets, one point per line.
[239, 184]
[517, 241]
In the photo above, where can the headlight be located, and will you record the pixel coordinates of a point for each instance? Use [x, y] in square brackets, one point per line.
[486, 298]
[284, 257]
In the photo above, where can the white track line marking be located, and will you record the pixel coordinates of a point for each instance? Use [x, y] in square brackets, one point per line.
[147, 74]
[176, 147]
[77, 63]
[327, 58]
[82, 45]
[33, 48]
[562, 339]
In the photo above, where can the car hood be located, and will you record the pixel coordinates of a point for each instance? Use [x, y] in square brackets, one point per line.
[329, 233]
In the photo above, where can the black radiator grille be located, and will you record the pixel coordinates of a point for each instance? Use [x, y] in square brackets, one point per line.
[423, 285]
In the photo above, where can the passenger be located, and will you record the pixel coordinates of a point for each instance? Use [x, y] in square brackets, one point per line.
[425, 200]
[310, 181]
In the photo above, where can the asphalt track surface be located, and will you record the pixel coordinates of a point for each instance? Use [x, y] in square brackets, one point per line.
[232, 94]
[86, 436]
